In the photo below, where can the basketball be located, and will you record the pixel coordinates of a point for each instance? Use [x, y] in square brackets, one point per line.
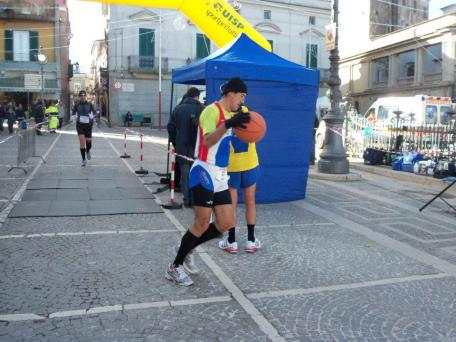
[254, 130]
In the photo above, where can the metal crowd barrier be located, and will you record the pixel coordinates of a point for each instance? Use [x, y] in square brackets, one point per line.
[26, 147]
[430, 139]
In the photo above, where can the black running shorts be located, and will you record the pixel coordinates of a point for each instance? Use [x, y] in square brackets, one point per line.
[84, 129]
[203, 197]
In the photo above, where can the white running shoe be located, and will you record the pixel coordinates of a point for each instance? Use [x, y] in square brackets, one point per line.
[252, 247]
[89, 156]
[229, 247]
[178, 276]
[189, 262]
[84, 163]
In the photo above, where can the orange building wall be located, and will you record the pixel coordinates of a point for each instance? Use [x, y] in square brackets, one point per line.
[45, 35]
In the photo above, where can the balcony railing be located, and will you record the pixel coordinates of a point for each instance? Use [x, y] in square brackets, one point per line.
[18, 84]
[12, 82]
[379, 84]
[432, 77]
[48, 84]
[405, 80]
[27, 66]
[27, 10]
[149, 64]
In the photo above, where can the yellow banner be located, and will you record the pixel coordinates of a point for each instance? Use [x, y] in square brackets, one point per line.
[215, 18]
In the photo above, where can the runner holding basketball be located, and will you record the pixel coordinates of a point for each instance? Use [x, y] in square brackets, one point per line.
[209, 177]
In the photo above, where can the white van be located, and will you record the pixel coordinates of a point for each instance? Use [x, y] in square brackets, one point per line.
[322, 107]
[418, 109]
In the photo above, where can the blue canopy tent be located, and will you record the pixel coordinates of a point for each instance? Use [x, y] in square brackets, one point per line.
[284, 93]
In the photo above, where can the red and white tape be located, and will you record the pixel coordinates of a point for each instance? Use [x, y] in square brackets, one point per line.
[337, 131]
[133, 132]
[173, 152]
[173, 170]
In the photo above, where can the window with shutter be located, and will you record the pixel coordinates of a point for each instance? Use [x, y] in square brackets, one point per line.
[312, 55]
[21, 46]
[203, 46]
[146, 42]
[8, 45]
[34, 45]
[146, 48]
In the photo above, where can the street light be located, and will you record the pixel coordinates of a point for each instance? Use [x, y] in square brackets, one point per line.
[42, 59]
[333, 158]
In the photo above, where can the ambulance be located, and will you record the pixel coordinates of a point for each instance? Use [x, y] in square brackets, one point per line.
[416, 110]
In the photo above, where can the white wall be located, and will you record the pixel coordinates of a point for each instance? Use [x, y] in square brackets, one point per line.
[292, 21]
[353, 26]
[290, 40]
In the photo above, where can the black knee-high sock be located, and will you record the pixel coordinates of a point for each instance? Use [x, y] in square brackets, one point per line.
[210, 233]
[232, 235]
[251, 232]
[88, 145]
[187, 244]
[83, 153]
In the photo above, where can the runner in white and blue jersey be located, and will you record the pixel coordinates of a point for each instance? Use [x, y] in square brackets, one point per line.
[209, 177]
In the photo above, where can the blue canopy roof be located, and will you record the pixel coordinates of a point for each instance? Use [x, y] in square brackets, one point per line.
[284, 93]
[244, 57]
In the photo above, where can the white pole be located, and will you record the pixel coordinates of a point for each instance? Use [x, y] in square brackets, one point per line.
[310, 47]
[160, 72]
[121, 51]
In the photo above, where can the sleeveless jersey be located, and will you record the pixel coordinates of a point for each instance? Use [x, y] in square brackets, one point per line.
[243, 155]
[212, 117]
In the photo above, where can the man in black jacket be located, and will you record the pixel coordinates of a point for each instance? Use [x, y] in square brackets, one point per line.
[182, 130]
[11, 116]
[2, 116]
[38, 114]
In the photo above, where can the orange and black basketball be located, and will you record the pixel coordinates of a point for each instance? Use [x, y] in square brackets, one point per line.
[254, 130]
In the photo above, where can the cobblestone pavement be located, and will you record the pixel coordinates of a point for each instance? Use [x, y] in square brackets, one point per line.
[352, 262]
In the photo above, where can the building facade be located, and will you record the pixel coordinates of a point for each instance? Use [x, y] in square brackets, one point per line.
[146, 43]
[81, 81]
[417, 60]
[29, 28]
[98, 75]
[388, 16]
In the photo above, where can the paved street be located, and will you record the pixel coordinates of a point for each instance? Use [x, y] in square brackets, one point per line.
[83, 253]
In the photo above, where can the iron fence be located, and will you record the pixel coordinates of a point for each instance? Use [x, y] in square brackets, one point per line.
[26, 147]
[147, 64]
[399, 136]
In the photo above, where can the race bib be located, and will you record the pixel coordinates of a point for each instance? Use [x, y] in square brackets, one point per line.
[222, 175]
[84, 119]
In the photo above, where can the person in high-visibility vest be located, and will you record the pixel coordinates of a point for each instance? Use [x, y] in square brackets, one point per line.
[52, 112]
